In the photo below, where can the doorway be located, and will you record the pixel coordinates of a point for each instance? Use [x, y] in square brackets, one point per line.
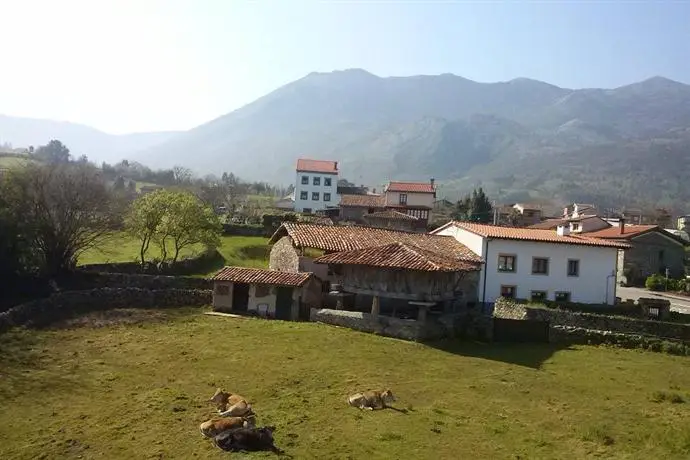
[240, 297]
[284, 303]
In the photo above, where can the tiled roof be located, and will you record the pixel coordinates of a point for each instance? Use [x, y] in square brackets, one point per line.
[630, 231]
[348, 238]
[399, 255]
[532, 234]
[410, 187]
[261, 276]
[317, 166]
[549, 224]
[362, 201]
[392, 215]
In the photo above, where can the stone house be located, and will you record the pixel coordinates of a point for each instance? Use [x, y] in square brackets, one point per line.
[353, 208]
[653, 251]
[267, 293]
[390, 259]
[393, 220]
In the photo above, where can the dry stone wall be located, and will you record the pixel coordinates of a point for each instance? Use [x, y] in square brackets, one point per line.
[67, 304]
[81, 281]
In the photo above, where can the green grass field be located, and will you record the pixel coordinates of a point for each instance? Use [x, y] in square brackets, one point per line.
[140, 390]
[13, 162]
[245, 251]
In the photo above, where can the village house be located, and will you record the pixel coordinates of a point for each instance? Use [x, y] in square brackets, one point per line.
[540, 264]
[576, 225]
[316, 186]
[354, 207]
[393, 220]
[381, 269]
[413, 198]
[267, 293]
[518, 214]
[653, 251]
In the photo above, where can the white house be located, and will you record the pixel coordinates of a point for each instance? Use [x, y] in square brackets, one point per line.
[540, 264]
[413, 198]
[316, 187]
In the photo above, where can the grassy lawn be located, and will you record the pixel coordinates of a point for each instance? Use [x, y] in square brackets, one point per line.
[139, 391]
[246, 251]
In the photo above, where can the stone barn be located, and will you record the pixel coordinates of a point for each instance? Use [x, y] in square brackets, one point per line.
[297, 247]
[267, 293]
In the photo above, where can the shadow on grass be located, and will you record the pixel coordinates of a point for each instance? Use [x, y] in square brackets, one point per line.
[532, 355]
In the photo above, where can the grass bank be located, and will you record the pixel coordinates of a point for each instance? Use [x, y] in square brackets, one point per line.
[136, 387]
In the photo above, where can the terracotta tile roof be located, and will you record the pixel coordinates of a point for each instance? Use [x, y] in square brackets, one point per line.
[339, 238]
[399, 255]
[410, 187]
[362, 201]
[261, 276]
[317, 166]
[631, 231]
[392, 215]
[532, 234]
[551, 224]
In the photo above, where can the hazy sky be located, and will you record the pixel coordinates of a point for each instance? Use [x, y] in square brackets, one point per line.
[122, 65]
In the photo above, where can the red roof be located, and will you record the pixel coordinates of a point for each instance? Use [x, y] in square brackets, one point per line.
[362, 201]
[317, 166]
[629, 231]
[261, 276]
[399, 255]
[533, 234]
[410, 187]
[339, 238]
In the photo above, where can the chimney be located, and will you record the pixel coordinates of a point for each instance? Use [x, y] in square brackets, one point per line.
[431, 181]
[565, 212]
[563, 230]
[621, 225]
[336, 165]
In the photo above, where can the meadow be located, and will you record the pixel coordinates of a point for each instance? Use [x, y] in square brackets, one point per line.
[135, 383]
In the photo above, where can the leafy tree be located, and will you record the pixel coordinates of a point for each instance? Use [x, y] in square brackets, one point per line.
[474, 208]
[63, 209]
[144, 219]
[54, 152]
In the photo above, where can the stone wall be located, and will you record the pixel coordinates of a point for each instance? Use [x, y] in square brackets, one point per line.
[505, 308]
[63, 305]
[382, 325]
[284, 256]
[88, 280]
[184, 266]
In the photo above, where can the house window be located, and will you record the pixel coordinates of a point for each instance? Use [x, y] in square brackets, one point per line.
[314, 196]
[327, 181]
[576, 226]
[403, 198]
[529, 213]
[538, 296]
[540, 266]
[508, 291]
[425, 214]
[317, 181]
[306, 210]
[222, 289]
[573, 267]
[562, 297]
[303, 195]
[305, 180]
[326, 197]
[506, 263]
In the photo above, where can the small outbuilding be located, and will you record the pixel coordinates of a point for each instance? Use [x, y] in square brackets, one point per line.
[267, 293]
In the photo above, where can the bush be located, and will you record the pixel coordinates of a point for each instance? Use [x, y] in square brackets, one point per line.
[655, 283]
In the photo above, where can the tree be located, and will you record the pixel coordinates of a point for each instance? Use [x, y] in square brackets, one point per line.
[119, 184]
[63, 209]
[182, 175]
[144, 219]
[474, 208]
[54, 152]
[188, 222]
[131, 187]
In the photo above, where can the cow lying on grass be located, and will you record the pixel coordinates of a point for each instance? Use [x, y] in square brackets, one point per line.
[231, 405]
[216, 426]
[247, 439]
[371, 400]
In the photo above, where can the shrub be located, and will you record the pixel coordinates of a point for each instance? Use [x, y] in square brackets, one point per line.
[655, 283]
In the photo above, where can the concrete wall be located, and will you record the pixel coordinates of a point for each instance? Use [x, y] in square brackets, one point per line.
[300, 203]
[643, 259]
[222, 302]
[284, 256]
[413, 199]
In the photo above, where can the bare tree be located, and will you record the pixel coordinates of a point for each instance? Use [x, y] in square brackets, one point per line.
[66, 208]
[182, 175]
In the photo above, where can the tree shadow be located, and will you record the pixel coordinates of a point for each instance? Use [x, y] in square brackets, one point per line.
[532, 355]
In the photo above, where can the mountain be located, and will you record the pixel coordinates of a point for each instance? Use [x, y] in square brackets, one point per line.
[80, 139]
[521, 139]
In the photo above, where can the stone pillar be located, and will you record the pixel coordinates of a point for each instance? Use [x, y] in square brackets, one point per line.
[375, 306]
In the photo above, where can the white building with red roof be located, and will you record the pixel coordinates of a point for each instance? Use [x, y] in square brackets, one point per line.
[316, 185]
[413, 198]
[540, 264]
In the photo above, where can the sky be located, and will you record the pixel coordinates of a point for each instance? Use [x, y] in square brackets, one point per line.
[148, 65]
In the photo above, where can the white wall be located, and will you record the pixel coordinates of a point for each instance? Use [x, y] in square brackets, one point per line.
[593, 285]
[413, 199]
[300, 204]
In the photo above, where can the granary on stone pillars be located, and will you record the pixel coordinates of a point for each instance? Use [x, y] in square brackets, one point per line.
[380, 270]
